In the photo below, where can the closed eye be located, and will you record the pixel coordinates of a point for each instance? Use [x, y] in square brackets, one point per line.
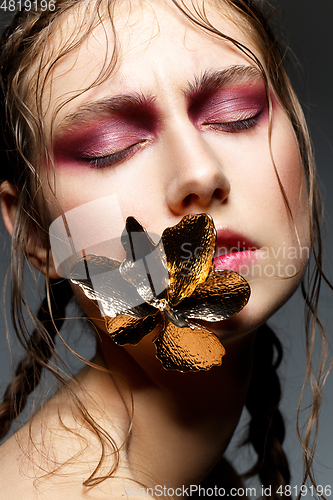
[235, 126]
[114, 158]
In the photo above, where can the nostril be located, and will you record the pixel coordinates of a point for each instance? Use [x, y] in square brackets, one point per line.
[218, 195]
[187, 200]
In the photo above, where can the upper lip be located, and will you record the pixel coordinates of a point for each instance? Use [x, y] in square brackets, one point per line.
[229, 241]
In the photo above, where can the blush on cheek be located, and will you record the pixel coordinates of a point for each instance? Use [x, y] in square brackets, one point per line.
[287, 158]
[291, 173]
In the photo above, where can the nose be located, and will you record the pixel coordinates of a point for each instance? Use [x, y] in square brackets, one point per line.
[197, 181]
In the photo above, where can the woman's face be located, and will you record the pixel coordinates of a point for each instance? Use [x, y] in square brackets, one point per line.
[179, 127]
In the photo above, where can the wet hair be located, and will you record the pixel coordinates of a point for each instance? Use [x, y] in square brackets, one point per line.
[28, 57]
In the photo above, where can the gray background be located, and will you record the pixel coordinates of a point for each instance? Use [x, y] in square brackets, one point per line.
[308, 28]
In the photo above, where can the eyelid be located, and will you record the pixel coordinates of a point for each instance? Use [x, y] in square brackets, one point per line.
[231, 105]
[114, 158]
[235, 126]
[237, 116]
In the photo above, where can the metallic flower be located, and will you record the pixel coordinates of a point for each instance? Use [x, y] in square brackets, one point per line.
[156, 286]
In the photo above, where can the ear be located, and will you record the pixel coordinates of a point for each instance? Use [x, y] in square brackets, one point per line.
[35, 251]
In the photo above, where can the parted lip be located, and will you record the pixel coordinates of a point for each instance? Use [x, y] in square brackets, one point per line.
[229, 241]
[233, 250]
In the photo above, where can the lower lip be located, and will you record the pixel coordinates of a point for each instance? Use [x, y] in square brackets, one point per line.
[235, 261]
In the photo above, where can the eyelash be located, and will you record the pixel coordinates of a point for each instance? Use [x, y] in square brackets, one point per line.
[236, 126]
[114, 158]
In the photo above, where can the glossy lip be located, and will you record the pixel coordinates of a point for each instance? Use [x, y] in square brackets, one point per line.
[234, 251]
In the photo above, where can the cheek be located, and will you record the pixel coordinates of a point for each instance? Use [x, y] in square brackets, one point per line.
[291, 173]
[87, 218]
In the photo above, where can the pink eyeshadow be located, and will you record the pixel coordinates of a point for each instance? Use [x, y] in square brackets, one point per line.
[99, 138]
[228, 104]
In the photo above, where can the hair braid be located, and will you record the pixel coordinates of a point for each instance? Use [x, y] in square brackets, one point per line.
[266, 429]
[39, 349]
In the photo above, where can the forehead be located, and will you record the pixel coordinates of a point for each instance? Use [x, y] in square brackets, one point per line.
[146, 44]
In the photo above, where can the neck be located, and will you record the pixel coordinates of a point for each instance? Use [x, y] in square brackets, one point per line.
[182, 422]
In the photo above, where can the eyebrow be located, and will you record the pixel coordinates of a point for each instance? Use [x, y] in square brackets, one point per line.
[135, 104]
[103, 108]
[211, 81]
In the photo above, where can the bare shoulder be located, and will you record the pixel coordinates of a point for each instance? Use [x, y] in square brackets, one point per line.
[15, 483]
[51, 456]
[20, 479]
[25, 474]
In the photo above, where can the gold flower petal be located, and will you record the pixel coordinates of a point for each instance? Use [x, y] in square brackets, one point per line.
[90, 265]
[185, 350]
[100, 280]
[223, 294]
[135, 240]
[189, 247]
[145, 266]
[124, 329]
